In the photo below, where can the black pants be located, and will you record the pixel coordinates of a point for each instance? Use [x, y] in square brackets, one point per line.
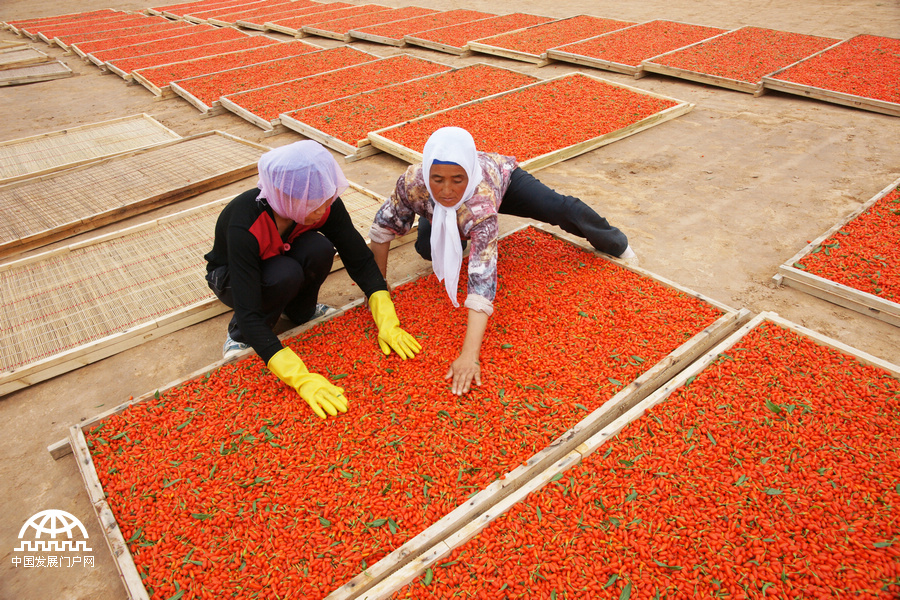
[290, 282]
[528, 197]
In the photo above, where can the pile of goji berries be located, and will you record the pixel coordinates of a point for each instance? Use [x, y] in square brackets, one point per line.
[270, 102]
[865, 65]
[229, 486]
[540, 38]
[458, 36]
[864, 253]
[773, 473]
[635, 44]
[351, 119]
[746, 54]
[163, 75]
[188, 54]
[210, 88]
[539, 119]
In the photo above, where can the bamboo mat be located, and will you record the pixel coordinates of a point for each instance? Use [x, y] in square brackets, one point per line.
[39, 154]
[38, 210]
[22, 57]
[34, 73]
[65, 308]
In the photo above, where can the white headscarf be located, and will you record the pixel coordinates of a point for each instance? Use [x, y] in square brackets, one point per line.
[449, 144]
[299, 178]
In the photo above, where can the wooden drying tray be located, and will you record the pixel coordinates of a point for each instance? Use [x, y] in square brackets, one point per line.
[479, 505]
[772, 82]
[352, 152]
[636, 71]
[606, 427]
[70, 201]
[732, 84]
[462, 51]
[35, 73]
[66, 148]
[838, 293]
[377, 138]
[24, 56]
[485, 47]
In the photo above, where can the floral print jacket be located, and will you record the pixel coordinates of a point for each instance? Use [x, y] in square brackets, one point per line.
[476, 218]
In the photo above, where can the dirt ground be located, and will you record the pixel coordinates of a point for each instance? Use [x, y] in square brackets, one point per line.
[715, 200]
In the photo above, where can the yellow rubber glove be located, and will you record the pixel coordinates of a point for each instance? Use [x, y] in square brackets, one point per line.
[318, 392]
[390, 336]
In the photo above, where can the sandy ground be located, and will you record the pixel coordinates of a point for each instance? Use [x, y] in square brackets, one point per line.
[715, 200]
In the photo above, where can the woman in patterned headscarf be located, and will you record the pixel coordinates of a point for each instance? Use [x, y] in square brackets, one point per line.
[458, 193]
[274, 246]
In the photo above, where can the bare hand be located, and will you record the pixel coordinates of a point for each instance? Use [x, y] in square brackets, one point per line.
[462, 371]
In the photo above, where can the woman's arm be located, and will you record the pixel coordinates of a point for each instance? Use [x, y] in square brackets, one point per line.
[467, 366]
[380, 250]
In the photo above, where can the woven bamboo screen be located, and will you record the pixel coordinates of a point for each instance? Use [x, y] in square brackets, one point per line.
[67, 147]
[37, 210]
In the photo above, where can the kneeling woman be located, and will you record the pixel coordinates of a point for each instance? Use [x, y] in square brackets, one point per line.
[458, 192]
[274, 246]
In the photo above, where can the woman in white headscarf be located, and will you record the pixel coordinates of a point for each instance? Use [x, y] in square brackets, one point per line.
[457, 193]
[274, 246]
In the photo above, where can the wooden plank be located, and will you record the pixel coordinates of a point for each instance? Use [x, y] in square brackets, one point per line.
[379, 140]
[35, 73]
[732, 84]
[329, 141]
[871, 104]
[131, 579]
[484, 48]
[229, 105]
[41, 154]
[597, 63]
[15, 57]
[834, 292]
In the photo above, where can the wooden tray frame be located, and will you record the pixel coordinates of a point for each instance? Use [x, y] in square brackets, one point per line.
[105, 64]
[363, 147]
[35, 73]
[300, 32]
[30, 56]
[757, 88]
[377, 139]
[608, 65]
[275, 125]
[838, 293]
[406, 573]
[68, 130]
[477, 507]
[772, 82]
[112, 215]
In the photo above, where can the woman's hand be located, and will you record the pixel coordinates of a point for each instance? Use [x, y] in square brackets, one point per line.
[467, 368]
[461, 373]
